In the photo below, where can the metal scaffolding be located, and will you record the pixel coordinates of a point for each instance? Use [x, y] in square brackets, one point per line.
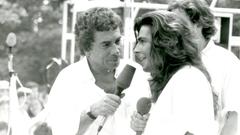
[131, 8]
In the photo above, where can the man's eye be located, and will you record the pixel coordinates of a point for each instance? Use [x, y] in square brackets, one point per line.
[106, 44]
[118, 42]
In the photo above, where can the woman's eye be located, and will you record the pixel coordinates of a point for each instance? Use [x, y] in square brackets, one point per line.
[141, 41]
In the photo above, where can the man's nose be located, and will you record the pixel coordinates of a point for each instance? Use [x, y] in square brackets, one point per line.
[116, 49]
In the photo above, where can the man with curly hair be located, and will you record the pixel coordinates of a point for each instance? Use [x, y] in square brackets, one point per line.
[84, 90]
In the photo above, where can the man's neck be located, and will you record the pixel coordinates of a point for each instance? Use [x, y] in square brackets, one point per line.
[106, 81]
[104, 78]
[95, 69]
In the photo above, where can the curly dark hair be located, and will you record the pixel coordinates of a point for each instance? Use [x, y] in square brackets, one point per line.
[91, 21]
[199, 13]
[172, 47]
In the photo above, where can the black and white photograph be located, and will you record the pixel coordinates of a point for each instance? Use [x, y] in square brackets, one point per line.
[119, 67]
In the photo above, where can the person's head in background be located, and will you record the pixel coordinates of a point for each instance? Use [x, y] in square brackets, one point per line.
[164, 45]
[3, 128]
[4, 108]
[40, 128]
[43, 94]
[98, 34]
[34, 87]
[35, 107]
[23, 97]
[200, 16]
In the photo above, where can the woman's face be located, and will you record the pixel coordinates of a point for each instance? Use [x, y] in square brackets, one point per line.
[143, 48]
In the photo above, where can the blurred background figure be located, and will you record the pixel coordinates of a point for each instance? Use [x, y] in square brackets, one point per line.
[51, 70]
[35, 107]
[41, 128]
[23, 97]
[4, 106]
[3, 87]
[3, 128]
[222, 65]
[30, 102]
[34, 87]
[43, 92]
[24, 101]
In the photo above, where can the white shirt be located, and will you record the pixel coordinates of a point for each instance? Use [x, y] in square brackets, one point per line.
[74, 91]
[224, 69]
[185, 104]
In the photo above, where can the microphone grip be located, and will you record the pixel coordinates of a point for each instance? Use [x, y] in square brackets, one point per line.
[118, 91]
[10, 61]
[138, 132]
[103, 119]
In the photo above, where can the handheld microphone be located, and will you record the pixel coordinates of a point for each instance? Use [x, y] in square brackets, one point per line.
[11, 39]
[11, 42]
[143, 107]
[123, 81]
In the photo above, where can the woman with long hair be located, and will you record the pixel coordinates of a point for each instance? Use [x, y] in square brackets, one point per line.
[180, 85]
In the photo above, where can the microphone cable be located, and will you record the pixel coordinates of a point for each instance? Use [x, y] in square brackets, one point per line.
[102, 122]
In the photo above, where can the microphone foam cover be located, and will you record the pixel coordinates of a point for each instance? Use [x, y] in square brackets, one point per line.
[144, 105]
[125, 77]
[11, 39]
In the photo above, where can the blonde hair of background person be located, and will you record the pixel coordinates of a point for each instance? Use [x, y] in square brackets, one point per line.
[222, 65]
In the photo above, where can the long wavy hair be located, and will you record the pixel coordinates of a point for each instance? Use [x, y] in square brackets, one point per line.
[199, 13]
[172, 47]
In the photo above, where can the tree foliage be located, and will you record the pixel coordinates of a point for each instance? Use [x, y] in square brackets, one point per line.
[37, 24]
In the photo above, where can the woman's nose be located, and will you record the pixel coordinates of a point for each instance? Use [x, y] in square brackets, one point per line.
[136, 48]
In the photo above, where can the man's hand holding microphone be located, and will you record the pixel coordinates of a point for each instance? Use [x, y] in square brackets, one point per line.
[109, 104]
[106, 106]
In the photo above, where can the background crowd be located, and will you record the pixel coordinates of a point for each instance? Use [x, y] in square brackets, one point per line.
[32, 99]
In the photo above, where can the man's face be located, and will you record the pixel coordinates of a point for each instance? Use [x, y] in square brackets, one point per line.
[105, 52]
[195, 28]
[143, 48]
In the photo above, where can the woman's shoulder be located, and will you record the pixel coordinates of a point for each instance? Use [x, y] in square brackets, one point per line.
[189, 76]
[189, 79]
[189, 71]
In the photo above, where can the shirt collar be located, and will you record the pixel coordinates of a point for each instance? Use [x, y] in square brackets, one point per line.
[89, 73]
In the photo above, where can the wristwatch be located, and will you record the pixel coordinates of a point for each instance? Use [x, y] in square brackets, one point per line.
[90, 115]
